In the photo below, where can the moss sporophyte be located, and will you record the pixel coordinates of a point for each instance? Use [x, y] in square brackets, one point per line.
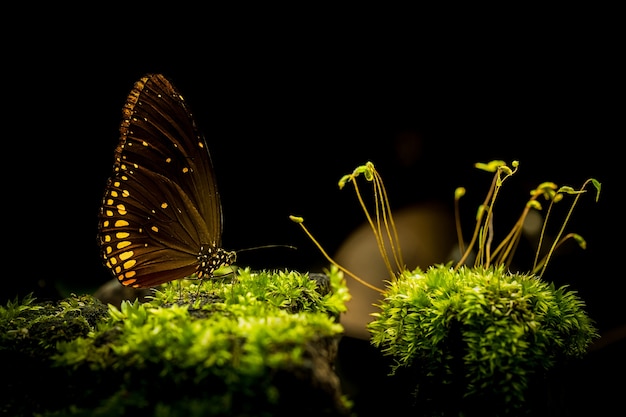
[472, 338]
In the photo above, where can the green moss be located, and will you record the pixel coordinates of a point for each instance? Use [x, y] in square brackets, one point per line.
[478, 334]
[33, 329]
[245, 344]
[29, 334]
[474, 340]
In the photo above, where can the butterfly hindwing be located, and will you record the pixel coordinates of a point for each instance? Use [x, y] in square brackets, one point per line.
[161, 216]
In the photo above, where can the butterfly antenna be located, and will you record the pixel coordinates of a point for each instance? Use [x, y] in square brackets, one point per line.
[266, 246]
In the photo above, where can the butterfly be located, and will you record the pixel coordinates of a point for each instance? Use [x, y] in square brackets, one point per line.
[161, 214]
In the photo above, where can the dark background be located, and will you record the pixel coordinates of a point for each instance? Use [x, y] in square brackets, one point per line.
[289, 106]
[284, 124]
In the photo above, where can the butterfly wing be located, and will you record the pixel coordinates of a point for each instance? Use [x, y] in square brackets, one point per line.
[161, 211]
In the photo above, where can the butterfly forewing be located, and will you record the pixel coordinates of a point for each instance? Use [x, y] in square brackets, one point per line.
[161, 217]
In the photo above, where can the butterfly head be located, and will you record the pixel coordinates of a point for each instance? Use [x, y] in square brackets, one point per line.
[211, 258]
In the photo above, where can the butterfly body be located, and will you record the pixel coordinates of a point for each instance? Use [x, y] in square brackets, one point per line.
[161, 216]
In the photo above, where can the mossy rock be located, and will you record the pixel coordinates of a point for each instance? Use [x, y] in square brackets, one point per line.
[250, 344]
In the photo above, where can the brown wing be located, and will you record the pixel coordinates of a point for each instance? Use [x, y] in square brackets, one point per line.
[161, 204]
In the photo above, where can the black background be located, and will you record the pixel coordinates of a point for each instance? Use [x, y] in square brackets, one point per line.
[290, 104]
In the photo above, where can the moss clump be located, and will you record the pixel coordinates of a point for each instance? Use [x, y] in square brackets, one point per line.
[33, 329]
[29, 334]
[476, 339]
[247, 344]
